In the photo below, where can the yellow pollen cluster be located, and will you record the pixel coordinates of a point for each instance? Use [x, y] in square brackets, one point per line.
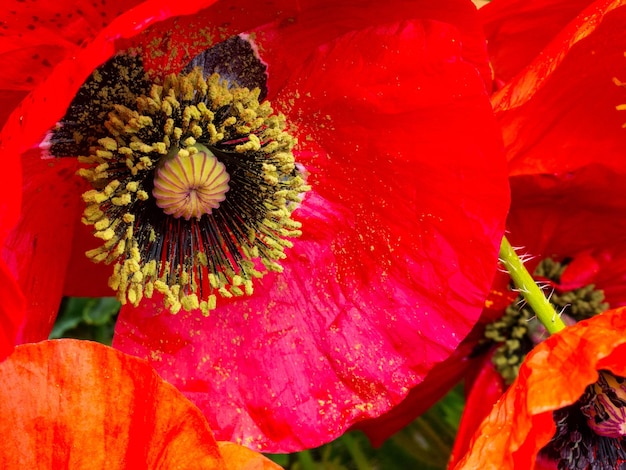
[172, 215]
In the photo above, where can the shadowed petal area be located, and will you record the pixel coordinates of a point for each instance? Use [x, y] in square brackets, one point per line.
[481, 394]
[11, 310]
[560, 114]
[552, 377]
[37, 250]
[578, 217]
[77, 404]
[400, 237]
[517, 30]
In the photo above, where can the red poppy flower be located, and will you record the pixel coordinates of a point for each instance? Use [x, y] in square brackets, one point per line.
[553, 377]
[77, 404]
[396, 140]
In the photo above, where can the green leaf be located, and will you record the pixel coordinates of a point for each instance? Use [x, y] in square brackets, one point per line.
[86, 318]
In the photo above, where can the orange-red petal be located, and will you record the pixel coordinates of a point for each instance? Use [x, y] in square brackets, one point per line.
[77, 404]
[554, 375]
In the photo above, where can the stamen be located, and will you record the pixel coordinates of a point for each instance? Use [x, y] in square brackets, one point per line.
[590, 433]
[194, 187]
[190, 185]
[605, 409]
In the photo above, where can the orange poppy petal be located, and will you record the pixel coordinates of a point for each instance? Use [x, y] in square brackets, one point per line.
[76, 404]
[554, 375]
[242, 458]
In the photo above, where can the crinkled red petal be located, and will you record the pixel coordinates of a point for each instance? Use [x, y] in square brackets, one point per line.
[400, 235]
[312, 27]
[554, 375]
[559, 115]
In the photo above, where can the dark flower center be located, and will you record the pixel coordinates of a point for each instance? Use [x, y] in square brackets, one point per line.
[194, 179]
[590, 433]
[518, 331]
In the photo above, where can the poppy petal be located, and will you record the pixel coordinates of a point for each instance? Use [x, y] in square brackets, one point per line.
[439, 381]
[38, 248]
[241, 458]
[11, 310]
[311, 27]
[484, 391]
[549, 125]
[554, 375]
[77, 404]
[517, 30]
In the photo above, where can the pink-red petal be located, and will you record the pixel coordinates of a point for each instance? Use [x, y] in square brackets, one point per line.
[439, 381]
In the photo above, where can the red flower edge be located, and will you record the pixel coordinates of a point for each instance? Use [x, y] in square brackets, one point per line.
[554, 375]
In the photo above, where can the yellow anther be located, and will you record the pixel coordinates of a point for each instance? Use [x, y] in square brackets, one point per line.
[107, 234]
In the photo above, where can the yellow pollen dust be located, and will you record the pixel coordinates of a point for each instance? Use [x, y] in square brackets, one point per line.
[190, 185]
[620, 107]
